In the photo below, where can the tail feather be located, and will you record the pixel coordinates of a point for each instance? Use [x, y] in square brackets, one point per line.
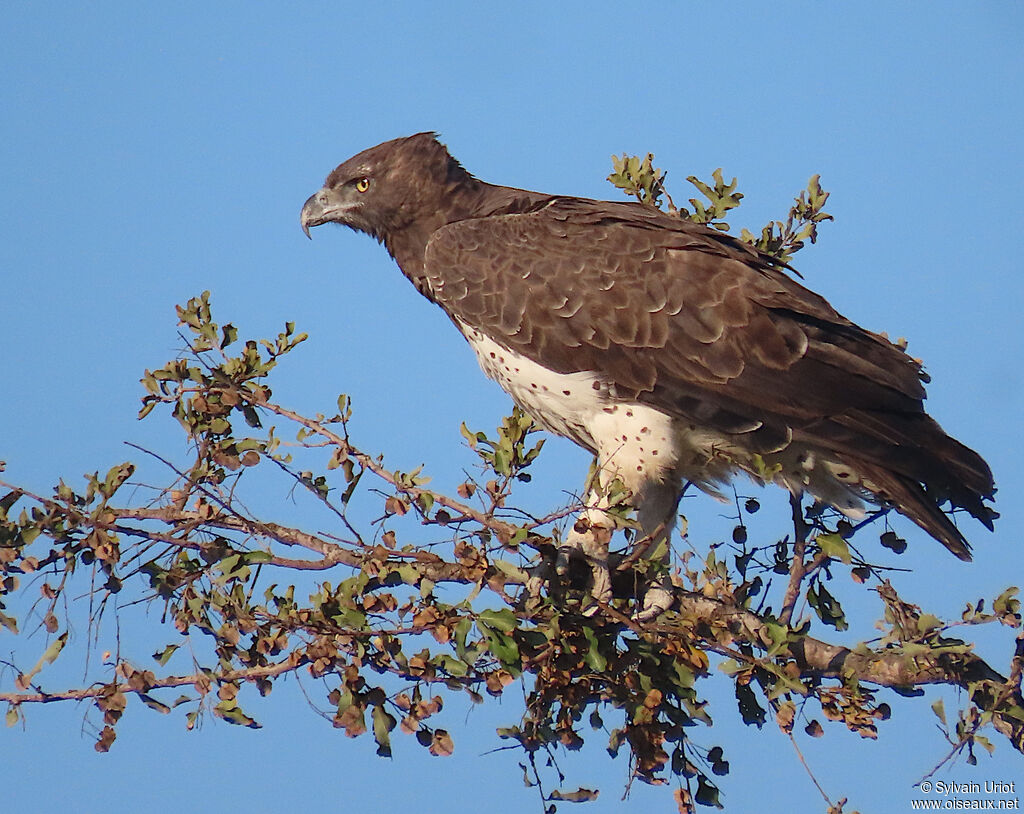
[911, 464]
[913, 500]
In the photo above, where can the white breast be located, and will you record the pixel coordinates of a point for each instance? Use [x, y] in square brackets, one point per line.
[639, 442]
[560, 402]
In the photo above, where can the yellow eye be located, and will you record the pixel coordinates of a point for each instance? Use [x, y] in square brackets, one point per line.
[362, 184]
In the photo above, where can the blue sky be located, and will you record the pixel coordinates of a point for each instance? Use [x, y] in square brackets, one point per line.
[147, 155]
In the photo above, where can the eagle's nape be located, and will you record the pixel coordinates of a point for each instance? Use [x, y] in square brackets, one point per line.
[673, 352]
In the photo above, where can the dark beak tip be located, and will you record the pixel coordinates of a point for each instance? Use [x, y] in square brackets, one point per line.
[312, 214]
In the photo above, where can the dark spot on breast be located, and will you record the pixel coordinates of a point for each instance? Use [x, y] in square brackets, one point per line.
[566, 393]
[596, 385]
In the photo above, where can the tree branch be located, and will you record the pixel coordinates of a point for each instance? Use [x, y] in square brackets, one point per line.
[200, 679]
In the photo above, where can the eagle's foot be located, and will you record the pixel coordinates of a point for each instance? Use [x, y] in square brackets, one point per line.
[600, 589]
[591, 540]
[564, 559]
[539, 576]
[657, 600]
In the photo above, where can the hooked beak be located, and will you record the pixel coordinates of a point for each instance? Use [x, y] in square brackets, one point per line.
[322, 207]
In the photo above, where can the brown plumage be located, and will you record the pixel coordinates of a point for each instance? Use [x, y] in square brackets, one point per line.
[740, 366]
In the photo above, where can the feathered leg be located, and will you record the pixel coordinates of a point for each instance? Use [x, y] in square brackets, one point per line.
[655, 503]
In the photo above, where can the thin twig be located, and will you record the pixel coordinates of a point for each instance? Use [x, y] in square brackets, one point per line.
[797, 569]
[810, 774]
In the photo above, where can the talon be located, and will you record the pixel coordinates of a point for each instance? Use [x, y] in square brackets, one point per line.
[657, 600]
[562, 562]
[649, 614]
[597, 596]
[602, 587]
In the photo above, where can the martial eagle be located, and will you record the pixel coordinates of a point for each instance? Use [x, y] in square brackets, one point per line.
[673, 352]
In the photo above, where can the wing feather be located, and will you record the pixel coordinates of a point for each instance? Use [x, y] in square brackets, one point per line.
[699, 326]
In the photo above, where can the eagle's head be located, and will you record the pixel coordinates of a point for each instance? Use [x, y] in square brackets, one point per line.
[387, 188]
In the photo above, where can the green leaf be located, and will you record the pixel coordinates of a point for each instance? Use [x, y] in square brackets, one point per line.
[28, 534]
[939, 708]
[504, 619]
[164, 655]
[7, 501]
[49, 655]
[251, 557]
[1006, 605]
[502, 647]
[232, 713]
[229, 333]
[833, 545]
[615, 741]
[350, 618]
[511, 570]
[252, 418]
[115, 478]
[452, 666]
[383, 723]
[826, 606]
[927, 623]
[472, 438]
[594, 658]
[501, 461]
[461, 630]
[1012, 710]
